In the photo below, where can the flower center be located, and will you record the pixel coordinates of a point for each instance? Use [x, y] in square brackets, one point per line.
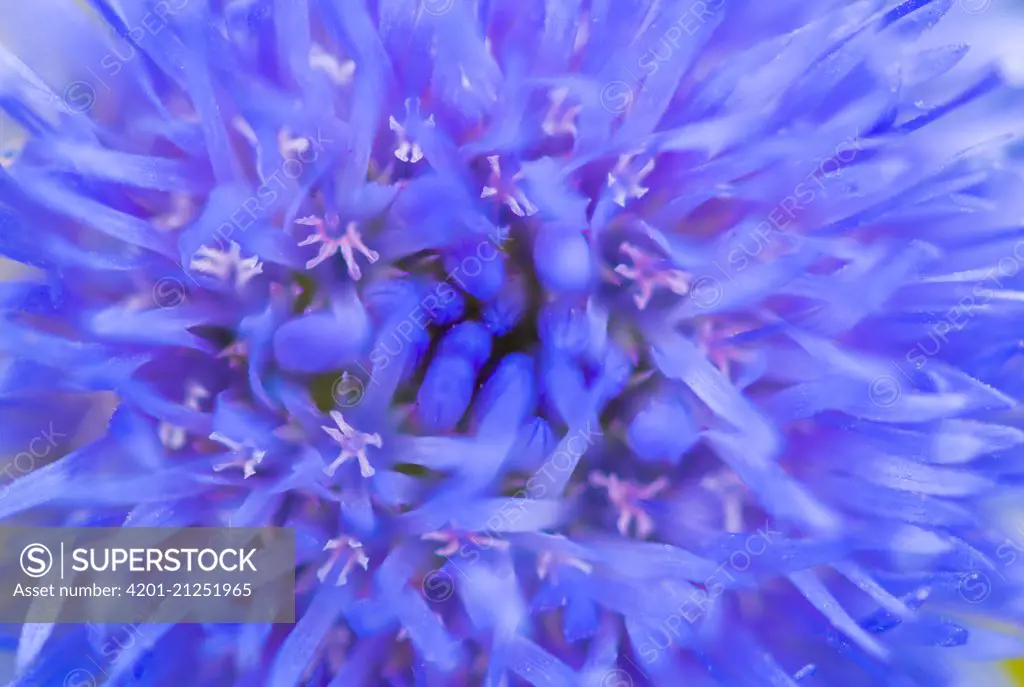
[713, 339]
[649, 273]
[223, 265]
[506, 191]
[248, 464]
[325, 233]
[353, 445]
[627, 497]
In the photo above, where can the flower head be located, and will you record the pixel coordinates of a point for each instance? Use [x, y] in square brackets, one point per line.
[675, 342]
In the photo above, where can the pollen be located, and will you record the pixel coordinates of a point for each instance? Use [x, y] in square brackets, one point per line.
[353, 445]
[348, 243]
[225, 265]
[649, 273]
[627, 497]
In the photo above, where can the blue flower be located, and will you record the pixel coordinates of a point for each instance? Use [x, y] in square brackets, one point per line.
[579, 343]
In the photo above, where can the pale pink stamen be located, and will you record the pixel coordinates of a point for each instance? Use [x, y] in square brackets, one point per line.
[287, 144]
[626, 497]
[340, 73]
[353, 445]
[550, 560]
[235, 352]
[560, 119]
[173, 436]
[248, 465]
[338, 547]
[649, 273]
[732, 490]
[713, 341]
[452, 540]
[348, 243]
[225, 265]
[407, 149]
[624, 180]
[181, 212]
[507, 192]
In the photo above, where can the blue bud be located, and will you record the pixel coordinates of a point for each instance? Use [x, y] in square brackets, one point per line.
[448, 385]
[445, 393]
[504, 313]
[565, 387]
[323, 341]
[443, 303]
[563, 326]
[563, 261]
[508, 396]
[469, 340]
[534, 443]
[478, 268]
[663, 430]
